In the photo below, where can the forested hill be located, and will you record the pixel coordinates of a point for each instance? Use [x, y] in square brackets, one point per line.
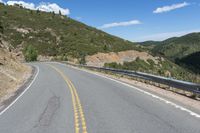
[56, 35]
[179, 47]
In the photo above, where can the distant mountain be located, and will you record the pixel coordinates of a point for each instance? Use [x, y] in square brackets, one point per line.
[178, 47]
[56, 35]
[149, 45]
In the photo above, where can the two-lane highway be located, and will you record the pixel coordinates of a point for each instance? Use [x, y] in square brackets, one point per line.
[67, 100]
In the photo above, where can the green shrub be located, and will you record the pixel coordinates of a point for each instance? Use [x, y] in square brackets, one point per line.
[1, 27]
[82, 61]
[112, 65]
[30, 53]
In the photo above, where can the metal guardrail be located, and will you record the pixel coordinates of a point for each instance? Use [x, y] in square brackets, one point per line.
[183, 85]
[187, 86]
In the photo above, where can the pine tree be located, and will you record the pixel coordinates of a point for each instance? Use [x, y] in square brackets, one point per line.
[38, 11]
[1, 28]
[53, 14]
[105, 48]
[60, 13]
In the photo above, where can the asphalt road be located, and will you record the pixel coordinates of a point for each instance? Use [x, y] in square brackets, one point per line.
[66, 100]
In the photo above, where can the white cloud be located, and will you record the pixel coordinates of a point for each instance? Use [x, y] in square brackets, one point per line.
[23, 4]
[166, 35]
[46, 7]
[52, 7]
[170, 8]
[117, 24]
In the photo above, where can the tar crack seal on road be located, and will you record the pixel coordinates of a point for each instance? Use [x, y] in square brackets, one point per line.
[47, 115]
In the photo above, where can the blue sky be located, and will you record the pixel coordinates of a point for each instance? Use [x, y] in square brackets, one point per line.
[135, 20]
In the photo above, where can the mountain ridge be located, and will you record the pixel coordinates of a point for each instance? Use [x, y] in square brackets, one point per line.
[178, 47]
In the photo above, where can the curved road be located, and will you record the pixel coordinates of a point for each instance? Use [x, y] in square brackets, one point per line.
[66, 100]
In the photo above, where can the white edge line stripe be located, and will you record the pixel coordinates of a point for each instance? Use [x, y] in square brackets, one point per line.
[38, 70]
[145, 92]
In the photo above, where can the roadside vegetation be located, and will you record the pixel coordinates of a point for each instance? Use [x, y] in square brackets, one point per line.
[30, 53]
[191, 62]
[162, 68]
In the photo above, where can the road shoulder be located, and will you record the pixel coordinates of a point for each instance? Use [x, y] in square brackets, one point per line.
[7, 102]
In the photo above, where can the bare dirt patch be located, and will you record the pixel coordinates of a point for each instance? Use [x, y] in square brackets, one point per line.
[12, 74]
[100, 59]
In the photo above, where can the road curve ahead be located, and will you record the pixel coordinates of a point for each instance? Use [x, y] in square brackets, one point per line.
[67, 100]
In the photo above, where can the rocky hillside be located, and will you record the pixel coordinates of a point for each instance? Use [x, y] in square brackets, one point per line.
[56, 35]
[12, 74]
[120, 57]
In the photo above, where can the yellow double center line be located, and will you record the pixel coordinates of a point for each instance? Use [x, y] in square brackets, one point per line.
[79, 118]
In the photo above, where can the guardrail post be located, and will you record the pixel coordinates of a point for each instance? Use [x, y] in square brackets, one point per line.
[197, 97]
[189, 94]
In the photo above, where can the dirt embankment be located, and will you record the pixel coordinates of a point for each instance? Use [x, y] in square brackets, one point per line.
[100, 59]
[12, 74]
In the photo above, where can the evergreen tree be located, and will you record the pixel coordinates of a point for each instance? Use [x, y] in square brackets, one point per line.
[60, 13]
[53, 13]
[105, 48]
[5, 12]
[38, 11]
[1, 27]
